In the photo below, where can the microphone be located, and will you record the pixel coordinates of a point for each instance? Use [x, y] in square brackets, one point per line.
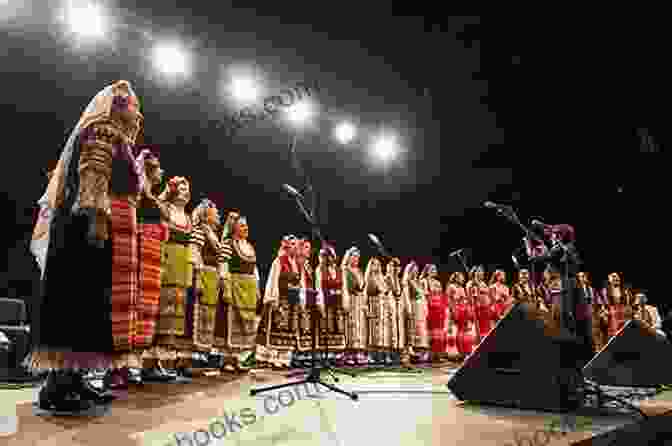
[293, 192]
[457, 252]
[499, 207]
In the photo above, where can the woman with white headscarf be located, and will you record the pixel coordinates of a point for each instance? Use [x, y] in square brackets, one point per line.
[414, 294]
[79, 323]
[354, 300]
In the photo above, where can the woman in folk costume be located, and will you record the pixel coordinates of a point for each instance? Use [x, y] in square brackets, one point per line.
[174, 334]
[208, 255]
[479, 292]
[376, 291]
[523, 291]
[152, 233]
[88, 322]
[306, 302]
[354, 301]
[542, 291]
[585, 301]
[240, 294]
[437, 311]
[454, 293]
[395, 314]
[278, 333]
[646, 313]
[501, 295]
[415, 295]
[329, 285]
[619, 299]
[465, 315]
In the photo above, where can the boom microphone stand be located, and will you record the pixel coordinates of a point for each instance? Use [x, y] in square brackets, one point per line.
[316, 368]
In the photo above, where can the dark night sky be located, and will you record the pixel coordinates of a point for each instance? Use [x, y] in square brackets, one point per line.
[488, 110]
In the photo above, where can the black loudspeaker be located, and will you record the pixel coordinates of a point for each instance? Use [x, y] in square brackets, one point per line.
[636, 356]
[524, 362]
[656, 430]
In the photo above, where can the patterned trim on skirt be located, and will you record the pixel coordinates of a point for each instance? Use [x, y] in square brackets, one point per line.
[205, 314]
[123, 229]
[149, 292]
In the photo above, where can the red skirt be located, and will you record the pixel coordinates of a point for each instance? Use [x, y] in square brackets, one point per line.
[149, 291]
[451, 341]
[123, 231]
[466, 341]
[485, 322]
[436, 319]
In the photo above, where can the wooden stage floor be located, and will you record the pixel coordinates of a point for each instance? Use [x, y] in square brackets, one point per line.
[393, 409]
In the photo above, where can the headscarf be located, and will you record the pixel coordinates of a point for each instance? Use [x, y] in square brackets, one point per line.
[369, 271]
[345, 263]
[58, 191]
[171, 188]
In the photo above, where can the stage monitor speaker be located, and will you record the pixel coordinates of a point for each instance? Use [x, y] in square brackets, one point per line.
[636, 356]
[653, 431]
[524, 362]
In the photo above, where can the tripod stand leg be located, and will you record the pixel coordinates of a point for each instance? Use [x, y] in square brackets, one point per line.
[254, 392]
[352, 396]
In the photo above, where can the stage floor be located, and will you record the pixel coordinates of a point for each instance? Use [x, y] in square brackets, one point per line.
[393, 409]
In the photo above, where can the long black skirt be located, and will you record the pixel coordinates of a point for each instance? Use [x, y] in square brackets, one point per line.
[73, 312]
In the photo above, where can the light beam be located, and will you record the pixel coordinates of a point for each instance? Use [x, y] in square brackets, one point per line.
[345, 132]
[87, 20]
[171, 59]
[385, 148]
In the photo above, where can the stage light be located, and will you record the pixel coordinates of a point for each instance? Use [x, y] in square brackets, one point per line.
[171, 59]
[87, 20]
[300, 113]
[245, 90]
[385, 148]
[345, 132]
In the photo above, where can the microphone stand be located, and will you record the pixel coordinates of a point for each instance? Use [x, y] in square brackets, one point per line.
[314, 374]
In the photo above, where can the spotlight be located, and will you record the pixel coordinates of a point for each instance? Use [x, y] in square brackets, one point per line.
[345, 132]
[85, 19]
[300, 113]
[385, 148]
[171, 59]
[245, 90]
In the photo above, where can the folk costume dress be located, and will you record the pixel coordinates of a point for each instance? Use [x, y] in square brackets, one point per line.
[453, 294]
[307, 303]
[377, 293]
[523, 290]
[500, 295]
[240, 295]
[393, 328]
[278, 333]
[152, 233]
[174, 334]
[414, 294]
[479, 292]
[329, 283]
[85, 323]
[585, 299]
[619, 299]
[437, 310]
[208, 255]
[354, 300]
[94, 177]
[465, 316]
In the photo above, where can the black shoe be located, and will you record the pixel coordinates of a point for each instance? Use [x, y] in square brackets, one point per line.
[60, 392]
[88, 392]
[157, 374]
